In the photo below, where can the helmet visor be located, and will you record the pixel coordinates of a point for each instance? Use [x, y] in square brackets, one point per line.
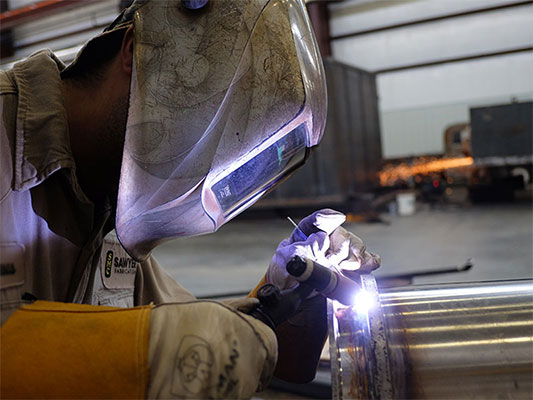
[217, 119]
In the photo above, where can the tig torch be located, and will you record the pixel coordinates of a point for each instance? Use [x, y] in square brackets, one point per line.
[276, 306]
[330, 283]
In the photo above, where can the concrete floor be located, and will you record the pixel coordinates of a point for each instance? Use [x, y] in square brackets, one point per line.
[498, 237]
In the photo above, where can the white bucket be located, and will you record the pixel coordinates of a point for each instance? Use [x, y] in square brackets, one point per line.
[406, 203]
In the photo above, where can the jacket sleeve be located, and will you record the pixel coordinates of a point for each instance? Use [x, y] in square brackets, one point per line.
[154, 285]
[59, 350]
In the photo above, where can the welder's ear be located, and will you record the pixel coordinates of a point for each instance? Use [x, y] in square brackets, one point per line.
[126, 51]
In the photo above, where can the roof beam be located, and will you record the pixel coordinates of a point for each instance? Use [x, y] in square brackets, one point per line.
[432, 19]
[454, 60]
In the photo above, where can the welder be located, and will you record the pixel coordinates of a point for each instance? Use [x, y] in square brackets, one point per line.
[176, 118]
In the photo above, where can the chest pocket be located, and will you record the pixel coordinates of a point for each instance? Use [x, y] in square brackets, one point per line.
[12, 278]
[114, 281]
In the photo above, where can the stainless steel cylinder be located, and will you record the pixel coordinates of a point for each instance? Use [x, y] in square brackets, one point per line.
[453, 341]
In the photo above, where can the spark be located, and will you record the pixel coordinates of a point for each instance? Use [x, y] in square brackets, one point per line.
[391, 173]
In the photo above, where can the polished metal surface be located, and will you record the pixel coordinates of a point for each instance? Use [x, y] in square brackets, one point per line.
[454, 341]
[359, 345]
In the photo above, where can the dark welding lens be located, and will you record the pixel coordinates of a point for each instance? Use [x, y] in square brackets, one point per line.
[262, 171]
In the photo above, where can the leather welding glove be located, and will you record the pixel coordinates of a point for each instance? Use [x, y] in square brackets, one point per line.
[243, 304]
[200, 349]
[321, 238]
[205, 349]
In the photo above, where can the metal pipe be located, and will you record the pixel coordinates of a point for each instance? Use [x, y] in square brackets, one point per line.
[454, 341]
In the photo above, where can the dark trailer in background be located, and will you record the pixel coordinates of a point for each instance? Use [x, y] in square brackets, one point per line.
[502, 148]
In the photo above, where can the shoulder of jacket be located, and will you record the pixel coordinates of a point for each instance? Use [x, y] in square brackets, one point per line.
[7, 83]
[8, 106]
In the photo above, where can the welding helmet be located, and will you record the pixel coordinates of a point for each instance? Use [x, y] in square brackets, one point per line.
[226, 100]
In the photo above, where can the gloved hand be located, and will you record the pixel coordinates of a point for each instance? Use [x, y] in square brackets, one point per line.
[243, 304]
[200, 349]
[302, 337]
[327, 243]
[205, 349]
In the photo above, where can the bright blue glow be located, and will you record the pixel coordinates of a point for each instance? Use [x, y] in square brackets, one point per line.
[262, 171]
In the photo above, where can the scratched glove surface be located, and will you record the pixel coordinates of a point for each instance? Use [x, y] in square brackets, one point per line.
[205, 349]
[327, 243]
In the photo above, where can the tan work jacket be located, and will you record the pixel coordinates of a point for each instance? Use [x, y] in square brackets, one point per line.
[53, 242]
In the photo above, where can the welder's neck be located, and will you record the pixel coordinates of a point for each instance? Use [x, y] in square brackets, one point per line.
[96, 122]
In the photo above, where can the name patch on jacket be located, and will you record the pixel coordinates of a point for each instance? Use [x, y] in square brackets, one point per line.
[117, 268]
